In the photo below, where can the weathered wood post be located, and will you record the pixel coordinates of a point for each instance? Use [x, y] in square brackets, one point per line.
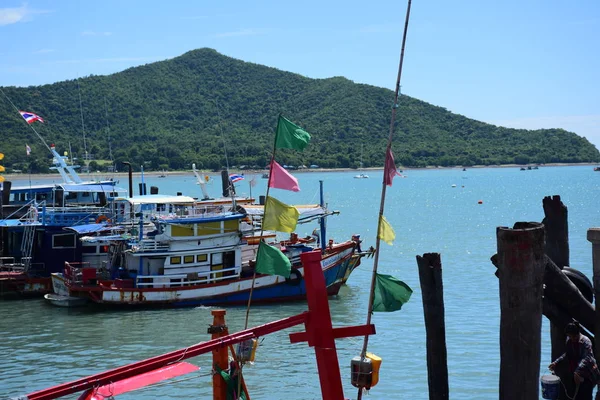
[593, 235]
[521, 275]
[557, 248]
[430, 275]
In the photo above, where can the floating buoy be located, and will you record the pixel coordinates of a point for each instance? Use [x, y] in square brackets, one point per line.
[480, 202]
[453, 185]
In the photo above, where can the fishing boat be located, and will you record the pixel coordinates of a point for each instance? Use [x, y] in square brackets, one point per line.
[33, 227]
[196, 260]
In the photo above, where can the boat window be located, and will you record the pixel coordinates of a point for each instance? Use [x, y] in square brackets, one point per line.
[188, 259]
[71, 196]
[88, 249]
[63, 241]
[161, 207]
[86, 194]
[217, 258]
[202, 257]
[176, 260]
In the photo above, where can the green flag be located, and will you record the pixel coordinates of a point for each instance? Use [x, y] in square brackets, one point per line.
[290, 135]
[271, 261]
[390, 293]
[279, 216]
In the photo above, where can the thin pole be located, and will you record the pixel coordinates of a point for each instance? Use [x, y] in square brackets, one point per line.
[383, 190]
[262, 225]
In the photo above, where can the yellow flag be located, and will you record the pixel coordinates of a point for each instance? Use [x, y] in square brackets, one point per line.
[1, 156]
[386, 232]
[2, 169]
[279, 216]
[1, 179]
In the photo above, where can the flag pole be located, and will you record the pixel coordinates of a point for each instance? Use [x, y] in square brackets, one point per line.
[31, 126]
[262, 223]
[383, 190]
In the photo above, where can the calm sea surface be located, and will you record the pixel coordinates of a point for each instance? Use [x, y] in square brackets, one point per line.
[42, 346]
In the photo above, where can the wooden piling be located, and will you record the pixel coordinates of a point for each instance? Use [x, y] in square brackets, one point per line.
[593, 235]
[557, 248]
[521, 274]
[430, 276]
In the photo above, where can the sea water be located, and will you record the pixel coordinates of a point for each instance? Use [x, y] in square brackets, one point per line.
[448, 211]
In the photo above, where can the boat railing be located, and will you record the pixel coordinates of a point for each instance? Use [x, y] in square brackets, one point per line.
[150, 245]
[78, 273]
[8, 264]
[180, 280]
[75, 215]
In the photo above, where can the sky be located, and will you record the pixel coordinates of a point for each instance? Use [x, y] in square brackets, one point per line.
[523, 64]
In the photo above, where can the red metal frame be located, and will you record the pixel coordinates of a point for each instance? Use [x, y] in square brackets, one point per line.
[319, 334]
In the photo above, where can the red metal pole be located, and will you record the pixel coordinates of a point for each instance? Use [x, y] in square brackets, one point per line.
[320, 329]
[153, 363]
[218, 330]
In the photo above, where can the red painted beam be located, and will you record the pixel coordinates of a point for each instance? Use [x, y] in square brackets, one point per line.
[150, 364]
[347, 331]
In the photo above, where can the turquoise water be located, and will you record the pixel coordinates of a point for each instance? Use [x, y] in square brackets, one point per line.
[43, 346]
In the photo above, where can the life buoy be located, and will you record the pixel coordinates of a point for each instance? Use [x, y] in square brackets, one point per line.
[295, 277]
[102, 218]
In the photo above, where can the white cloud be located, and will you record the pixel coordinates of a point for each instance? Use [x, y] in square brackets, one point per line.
[92, 33]
[243, 32]
[43, 51]
[587, 126]
[15, 15]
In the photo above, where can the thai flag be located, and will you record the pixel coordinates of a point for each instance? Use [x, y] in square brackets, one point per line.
[30, 117]
[235, 178]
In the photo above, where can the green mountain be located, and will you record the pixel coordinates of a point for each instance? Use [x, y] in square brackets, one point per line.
[203, 106]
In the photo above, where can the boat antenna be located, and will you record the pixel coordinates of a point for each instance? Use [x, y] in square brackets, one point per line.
[110, 154]
[85, 157]
[383, 190]
[31, 126]
[231, 189]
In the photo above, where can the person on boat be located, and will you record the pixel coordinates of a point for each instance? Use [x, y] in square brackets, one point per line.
[356, 239]
[582, 364]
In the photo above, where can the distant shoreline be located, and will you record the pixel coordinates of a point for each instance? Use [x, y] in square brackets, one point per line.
[155, 174]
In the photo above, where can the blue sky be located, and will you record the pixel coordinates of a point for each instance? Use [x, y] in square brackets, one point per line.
[524, 64]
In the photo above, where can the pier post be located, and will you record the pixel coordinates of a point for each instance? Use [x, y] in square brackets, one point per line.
[432, 289]
[521, 275]
[557, 249]
[593, 235]
[220, 356]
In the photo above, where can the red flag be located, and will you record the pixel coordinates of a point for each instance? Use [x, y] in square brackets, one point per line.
[281, 179]
[390, 168]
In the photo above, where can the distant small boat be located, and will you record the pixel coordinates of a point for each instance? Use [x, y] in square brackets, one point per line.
[361, 176]
[523, 169]
[596, 168]
[162, 175]
[265, 176]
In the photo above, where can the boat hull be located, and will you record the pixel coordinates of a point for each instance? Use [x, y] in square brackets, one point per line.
[336, 267]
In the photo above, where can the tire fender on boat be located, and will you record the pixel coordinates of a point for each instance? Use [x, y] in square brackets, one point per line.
[582, 282]
[295, 277]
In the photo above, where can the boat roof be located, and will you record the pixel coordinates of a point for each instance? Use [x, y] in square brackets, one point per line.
[306, 211]
[201, 219]
[93, 228]
[105, 186]
[157, 199]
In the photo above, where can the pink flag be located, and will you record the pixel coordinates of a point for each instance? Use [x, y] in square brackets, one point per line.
[281, 179]
[390, 168]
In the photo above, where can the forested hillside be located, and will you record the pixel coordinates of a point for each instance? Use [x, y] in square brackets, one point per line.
[202, 106]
